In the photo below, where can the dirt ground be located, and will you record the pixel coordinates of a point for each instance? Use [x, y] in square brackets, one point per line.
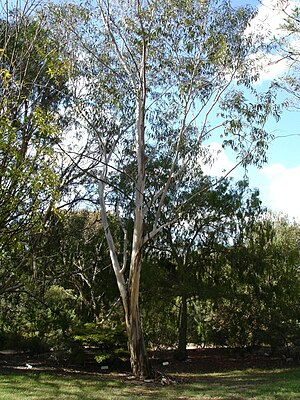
[217, 360]
[199, 361]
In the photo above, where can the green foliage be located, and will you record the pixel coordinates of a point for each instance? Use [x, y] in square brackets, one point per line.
[286, 44]
[260, 306]
[32, 345]
[189, 261]
[160, 323]
[93, 335]
[38, 324]
[71, 284]
[243, 283]
[74, 254]
[110, 342]
[60, 306]
[30, 103]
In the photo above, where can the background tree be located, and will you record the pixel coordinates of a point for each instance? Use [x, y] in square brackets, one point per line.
[195, 249]
[69, 291]
[261, 303]
[67, 258]
[33, 87]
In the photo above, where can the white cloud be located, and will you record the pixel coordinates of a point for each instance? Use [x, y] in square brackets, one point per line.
[278, 185]
[283, 189]
[266, 26]
[274, 170]
[220, 163]
[270, 18]
[271, 66]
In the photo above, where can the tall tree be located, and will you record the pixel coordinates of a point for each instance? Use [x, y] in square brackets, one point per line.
[154, 75]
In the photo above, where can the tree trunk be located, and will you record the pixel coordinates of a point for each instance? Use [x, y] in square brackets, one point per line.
[140, 365]
[129, 292]
[182, 340]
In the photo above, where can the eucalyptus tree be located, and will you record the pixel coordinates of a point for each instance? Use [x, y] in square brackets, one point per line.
[33, 87]
[154, 75]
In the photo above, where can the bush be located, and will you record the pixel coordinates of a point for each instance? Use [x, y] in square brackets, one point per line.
[18, 342]
[109, 343]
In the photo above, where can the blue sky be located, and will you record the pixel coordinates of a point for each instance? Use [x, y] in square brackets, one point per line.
[279, 179]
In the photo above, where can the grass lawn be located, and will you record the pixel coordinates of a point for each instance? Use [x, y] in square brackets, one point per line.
[279, 384]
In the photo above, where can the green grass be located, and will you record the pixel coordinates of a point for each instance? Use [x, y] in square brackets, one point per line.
[238, 385]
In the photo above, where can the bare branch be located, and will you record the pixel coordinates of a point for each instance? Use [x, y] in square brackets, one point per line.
[107, 19]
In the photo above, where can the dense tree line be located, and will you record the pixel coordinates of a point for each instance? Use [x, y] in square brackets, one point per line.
[241, 293]
[105, 213]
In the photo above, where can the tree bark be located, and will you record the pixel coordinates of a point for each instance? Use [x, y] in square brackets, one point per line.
[182, 337]
[140, 365]
[139, 360]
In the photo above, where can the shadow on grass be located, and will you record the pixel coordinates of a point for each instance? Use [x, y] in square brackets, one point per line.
[46, 386]
[278, 384]
[249, 384]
